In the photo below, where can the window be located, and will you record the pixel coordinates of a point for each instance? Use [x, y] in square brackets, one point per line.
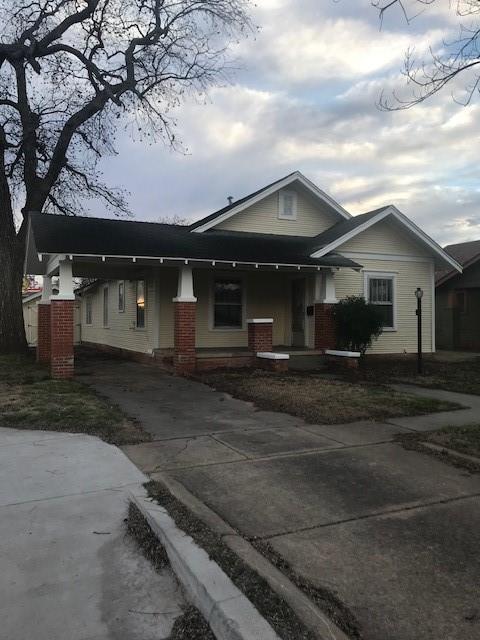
[227, 304]
[287, 205]
[380, 291]
[88, 310]
[105, 307]
[121, 296]
[140, 302]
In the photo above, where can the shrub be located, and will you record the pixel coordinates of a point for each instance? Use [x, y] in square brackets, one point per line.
[358, 323]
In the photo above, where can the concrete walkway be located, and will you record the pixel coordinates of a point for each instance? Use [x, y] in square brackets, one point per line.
[392, 533]
[67, 571]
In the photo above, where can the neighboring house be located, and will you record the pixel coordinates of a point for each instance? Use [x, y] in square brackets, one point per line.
[30, 318]
[458, 299]
[262, 273]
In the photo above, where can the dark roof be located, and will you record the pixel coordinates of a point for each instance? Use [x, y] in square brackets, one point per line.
[465, 253]
[220, 212]
[55, 234]
[341, 228]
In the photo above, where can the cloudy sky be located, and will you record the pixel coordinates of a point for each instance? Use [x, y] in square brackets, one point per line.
[305, 98]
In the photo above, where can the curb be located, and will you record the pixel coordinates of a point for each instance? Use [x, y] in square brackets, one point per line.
[229, 613]
[307, 611]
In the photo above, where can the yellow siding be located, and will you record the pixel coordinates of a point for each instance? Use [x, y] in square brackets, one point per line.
[121, 331]
[409, 276]
[262, 217]
[30, 319]
[384, 237]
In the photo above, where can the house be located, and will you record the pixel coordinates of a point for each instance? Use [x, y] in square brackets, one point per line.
[30, 317]
[260, 275]
[458, 299]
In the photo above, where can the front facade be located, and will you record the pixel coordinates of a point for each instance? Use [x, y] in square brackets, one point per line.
[458, 300]
[265, 271]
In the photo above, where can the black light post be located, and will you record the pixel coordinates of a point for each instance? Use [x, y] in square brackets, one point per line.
[419, 296]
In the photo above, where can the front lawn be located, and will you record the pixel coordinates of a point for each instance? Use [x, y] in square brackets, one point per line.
[462, 376]
[29, 399]
[319, 400]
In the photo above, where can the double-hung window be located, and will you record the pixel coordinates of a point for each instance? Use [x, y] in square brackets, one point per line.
[121, 296]
[380, 292]
[105, 307]
[88, 310]
[228, 299]
[140, 303]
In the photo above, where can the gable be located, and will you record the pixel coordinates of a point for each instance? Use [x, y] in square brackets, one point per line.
[313, 217]
[385, 237]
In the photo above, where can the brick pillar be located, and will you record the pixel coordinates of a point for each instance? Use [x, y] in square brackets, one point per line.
[260, 335]
[184, 359]
[61, 347]
[43, 332]
[325, 337]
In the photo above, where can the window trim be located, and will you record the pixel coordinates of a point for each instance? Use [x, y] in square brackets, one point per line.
[105, 324]
[89, 301]
[120, 309]
[383, 275]
[281, 204]
[211, 305]
[137, 328]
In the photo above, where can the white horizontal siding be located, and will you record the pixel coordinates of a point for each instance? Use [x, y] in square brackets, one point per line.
[121, 331]
[262, 217]
[409, 276]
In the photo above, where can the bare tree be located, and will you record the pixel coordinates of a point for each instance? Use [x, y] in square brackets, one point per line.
[461, 56]
[70, 72]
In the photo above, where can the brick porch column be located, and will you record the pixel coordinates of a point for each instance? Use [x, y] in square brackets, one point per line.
[62, 360]
[325, 300]
[260, 335]
[184, 357]
[43, 322]
[61, 324]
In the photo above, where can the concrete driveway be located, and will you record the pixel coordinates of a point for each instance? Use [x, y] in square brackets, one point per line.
[67, 571]
[393, 533]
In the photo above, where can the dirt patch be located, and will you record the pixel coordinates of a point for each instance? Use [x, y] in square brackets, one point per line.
[270, 605]
[462, 376]
[321, 400]
[29, 399]
[191, 626]
[465, 440]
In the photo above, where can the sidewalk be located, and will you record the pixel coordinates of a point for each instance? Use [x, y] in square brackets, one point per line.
[67, 570]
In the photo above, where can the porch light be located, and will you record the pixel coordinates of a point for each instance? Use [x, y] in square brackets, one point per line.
[419, 293]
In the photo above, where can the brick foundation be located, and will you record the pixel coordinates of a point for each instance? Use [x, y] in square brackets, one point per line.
[61, 345]
[43, 333]
[278, 366]
[184, 359]
[260, 336]
[325, 337]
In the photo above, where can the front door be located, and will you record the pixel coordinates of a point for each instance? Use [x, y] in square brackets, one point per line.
[298, 312]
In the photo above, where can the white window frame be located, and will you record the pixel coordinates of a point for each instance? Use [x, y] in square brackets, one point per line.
[107, 318]
[382, 275]
[121, 309]
[281, 204]
[89, 304]
[144, 328]
[225, 276]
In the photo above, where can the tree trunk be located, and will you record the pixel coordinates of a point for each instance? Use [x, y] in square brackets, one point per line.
[12, 328]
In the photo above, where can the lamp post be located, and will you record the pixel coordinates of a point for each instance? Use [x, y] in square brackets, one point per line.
[419, 296]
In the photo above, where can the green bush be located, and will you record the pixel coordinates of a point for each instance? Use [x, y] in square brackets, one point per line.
[358, 324]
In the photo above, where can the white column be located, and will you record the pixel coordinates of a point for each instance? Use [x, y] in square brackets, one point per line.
[46, 290]
[65, 282]
[325, 287]
[185, 285]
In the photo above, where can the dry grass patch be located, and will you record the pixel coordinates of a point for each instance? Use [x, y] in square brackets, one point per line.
[29, 399]
[320, 400]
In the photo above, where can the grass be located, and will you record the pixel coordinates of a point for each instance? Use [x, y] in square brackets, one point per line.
[319, 400]
[29, 399]
[461, 376]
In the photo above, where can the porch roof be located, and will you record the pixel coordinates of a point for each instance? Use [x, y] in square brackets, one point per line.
[99, 237]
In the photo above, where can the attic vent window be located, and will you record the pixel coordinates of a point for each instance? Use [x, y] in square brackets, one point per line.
[287, 205]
